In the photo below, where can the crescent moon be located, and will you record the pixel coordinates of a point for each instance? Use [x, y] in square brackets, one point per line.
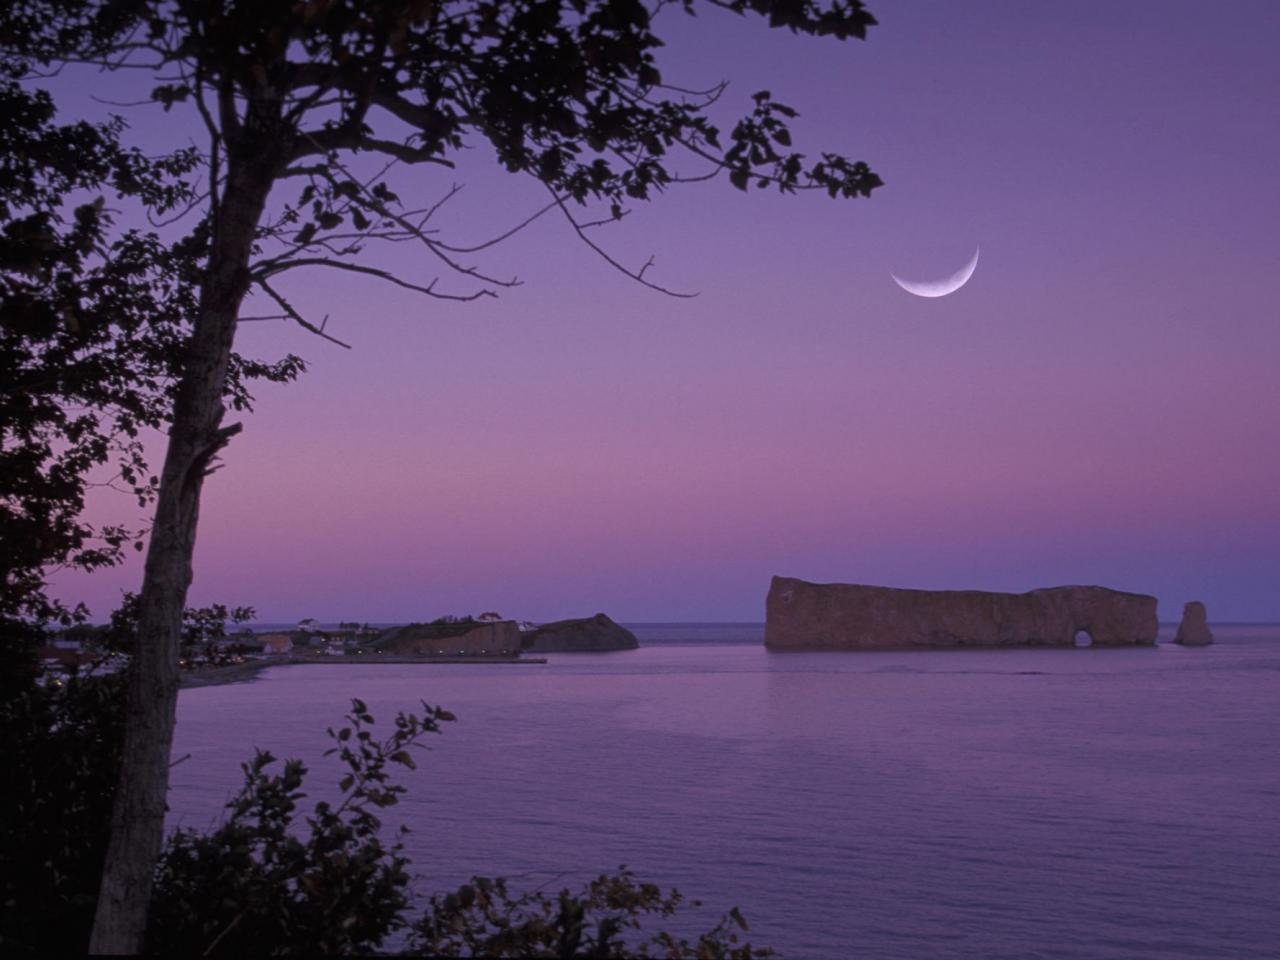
[939, 288]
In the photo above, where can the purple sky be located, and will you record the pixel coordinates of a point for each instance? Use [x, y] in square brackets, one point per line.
[1098, 405]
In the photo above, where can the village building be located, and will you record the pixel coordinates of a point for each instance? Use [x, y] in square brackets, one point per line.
[276, 643]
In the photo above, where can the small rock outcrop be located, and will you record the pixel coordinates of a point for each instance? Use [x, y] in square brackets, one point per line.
[846, 616]
[1193, 631]
[468, 639]
[589, 634]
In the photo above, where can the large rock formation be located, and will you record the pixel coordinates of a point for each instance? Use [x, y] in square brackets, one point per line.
[845, 616]
[470, 639]
[1193, 631]
[580, 636]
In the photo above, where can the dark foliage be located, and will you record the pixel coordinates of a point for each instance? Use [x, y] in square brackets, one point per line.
[87, 333]
[61, 736]
[570, 94]
[605, 919]
[263, 883]
[92, 327]
[61, 754]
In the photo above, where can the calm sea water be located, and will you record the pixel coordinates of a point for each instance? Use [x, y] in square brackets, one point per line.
[957, 804]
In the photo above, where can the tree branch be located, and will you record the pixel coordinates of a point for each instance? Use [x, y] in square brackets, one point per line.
[297, 318]
[343, 138]
[377, 205]
[495, 240]
[292, 264]
[636, 275]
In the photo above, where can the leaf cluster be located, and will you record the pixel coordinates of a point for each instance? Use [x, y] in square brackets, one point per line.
[262, 882]
[605, 919]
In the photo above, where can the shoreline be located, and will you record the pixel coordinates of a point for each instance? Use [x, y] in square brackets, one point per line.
[244, 672]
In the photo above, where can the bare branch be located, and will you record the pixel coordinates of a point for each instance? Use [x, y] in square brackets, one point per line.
[381, 274]
[195, 202]
[122, 103]
[498, 239]
[636, 275]
[429, 212]
[374, 203]
[708, 96]
[604, 221]
[296, 317]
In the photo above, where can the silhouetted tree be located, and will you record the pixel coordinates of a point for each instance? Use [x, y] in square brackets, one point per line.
[295, 96]
[92, 324]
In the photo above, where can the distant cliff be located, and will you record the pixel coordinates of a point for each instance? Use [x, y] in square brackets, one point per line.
[846, 616]
[580, 636]
[471, 639]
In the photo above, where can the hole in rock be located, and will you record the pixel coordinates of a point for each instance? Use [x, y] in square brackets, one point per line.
[1083, 639]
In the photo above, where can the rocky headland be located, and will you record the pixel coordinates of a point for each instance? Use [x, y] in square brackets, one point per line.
[585, 635]
[499, 638]
[846, 616]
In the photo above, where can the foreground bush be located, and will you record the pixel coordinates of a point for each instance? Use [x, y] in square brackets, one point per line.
[270, 879]
[60, 748]
[604, 919]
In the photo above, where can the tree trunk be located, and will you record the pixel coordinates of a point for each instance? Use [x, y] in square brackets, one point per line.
[195, 437]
